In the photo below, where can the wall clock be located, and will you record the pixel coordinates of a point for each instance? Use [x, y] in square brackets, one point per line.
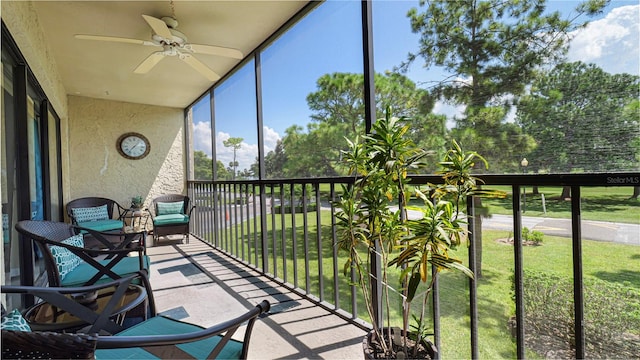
[133, 146]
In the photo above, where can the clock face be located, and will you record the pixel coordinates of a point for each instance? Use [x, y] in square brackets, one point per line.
[133, 146]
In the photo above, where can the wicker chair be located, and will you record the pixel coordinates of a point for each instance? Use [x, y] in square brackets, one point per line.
[47, 345]
[170, 215]
[91, 270]
[157, 337]
[112, 218]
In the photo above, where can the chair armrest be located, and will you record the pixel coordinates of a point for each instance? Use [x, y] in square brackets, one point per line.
[37, 290]
[125, 239]
[225, 330]
[83, 253]
[121, 210]
[191, 210]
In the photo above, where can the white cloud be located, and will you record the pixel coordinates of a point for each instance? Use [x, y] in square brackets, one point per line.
[202, 137]
[611, 42]
[247, 153]
[271, 138]
[451, 111]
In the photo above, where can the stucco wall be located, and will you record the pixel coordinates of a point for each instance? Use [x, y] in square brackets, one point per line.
[96, 167]
[22, 21]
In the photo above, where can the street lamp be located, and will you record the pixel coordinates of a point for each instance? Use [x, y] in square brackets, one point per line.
[524, 163]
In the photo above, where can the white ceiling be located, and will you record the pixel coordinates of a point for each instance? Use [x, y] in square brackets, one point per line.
[104, 70]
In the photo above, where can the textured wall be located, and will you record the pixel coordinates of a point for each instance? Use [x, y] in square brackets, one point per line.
[22, 21]
[96, 167]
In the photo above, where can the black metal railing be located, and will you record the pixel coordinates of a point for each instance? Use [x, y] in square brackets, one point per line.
[286, 230]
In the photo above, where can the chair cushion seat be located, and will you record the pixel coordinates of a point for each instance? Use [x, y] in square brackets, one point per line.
[170, 219]
[84, 272]
[161, 325]
[102, 225]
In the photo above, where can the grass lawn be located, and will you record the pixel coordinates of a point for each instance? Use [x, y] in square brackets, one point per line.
[605, 261]
[597, 203]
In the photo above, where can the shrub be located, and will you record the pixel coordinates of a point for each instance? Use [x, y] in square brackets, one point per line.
[298, 208]
[534, 236]
[611, 315]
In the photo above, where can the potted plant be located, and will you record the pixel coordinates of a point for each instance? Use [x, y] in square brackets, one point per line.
[372, 220]
[137, 202]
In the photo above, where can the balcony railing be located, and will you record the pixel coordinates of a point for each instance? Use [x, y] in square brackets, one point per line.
[286, 230]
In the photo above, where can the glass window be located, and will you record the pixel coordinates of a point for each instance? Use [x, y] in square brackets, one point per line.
[574, 117]
[235, 126]
[200, 115]
[55, 196]
[34, 131]
[11, 266]
[312, 87]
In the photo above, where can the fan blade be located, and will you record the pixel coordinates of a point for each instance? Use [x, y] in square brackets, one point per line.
[114, 39]
[158, 26]
[200, 67]
[214, 50]
[148, 63]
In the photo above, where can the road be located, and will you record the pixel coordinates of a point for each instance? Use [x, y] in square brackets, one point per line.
[591, 230]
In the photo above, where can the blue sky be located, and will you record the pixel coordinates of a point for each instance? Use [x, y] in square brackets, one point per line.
[294, 62]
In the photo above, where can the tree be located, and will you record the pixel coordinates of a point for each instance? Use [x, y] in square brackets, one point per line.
[221, 171]
[235, 143]
[203, 166]
[492, 50]
[496, 44]
[338, 112]
[581, 117]
[274, 162]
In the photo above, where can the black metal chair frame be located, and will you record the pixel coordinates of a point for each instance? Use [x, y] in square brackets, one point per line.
[228, 328]
[47, 233]
[13, 343]
[173, 229]
[60, 299]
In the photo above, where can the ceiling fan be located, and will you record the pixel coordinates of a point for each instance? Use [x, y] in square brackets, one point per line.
[173, 43]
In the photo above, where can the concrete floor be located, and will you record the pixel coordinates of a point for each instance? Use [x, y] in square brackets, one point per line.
[195, 283]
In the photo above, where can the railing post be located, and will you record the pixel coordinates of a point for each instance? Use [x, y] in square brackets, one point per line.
[578, 298]
[519, 274]
[263, 228]
[435, 296]
[369, 118]
[473, 293]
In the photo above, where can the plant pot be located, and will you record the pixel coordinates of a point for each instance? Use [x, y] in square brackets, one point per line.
[372, 350]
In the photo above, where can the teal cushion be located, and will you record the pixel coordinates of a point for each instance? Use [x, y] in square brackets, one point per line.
[81, 274]
[65, 260]
[167, 208]
[14, 321]
[102, 225]
[90, 213]
[172, 219]
[161, 325]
